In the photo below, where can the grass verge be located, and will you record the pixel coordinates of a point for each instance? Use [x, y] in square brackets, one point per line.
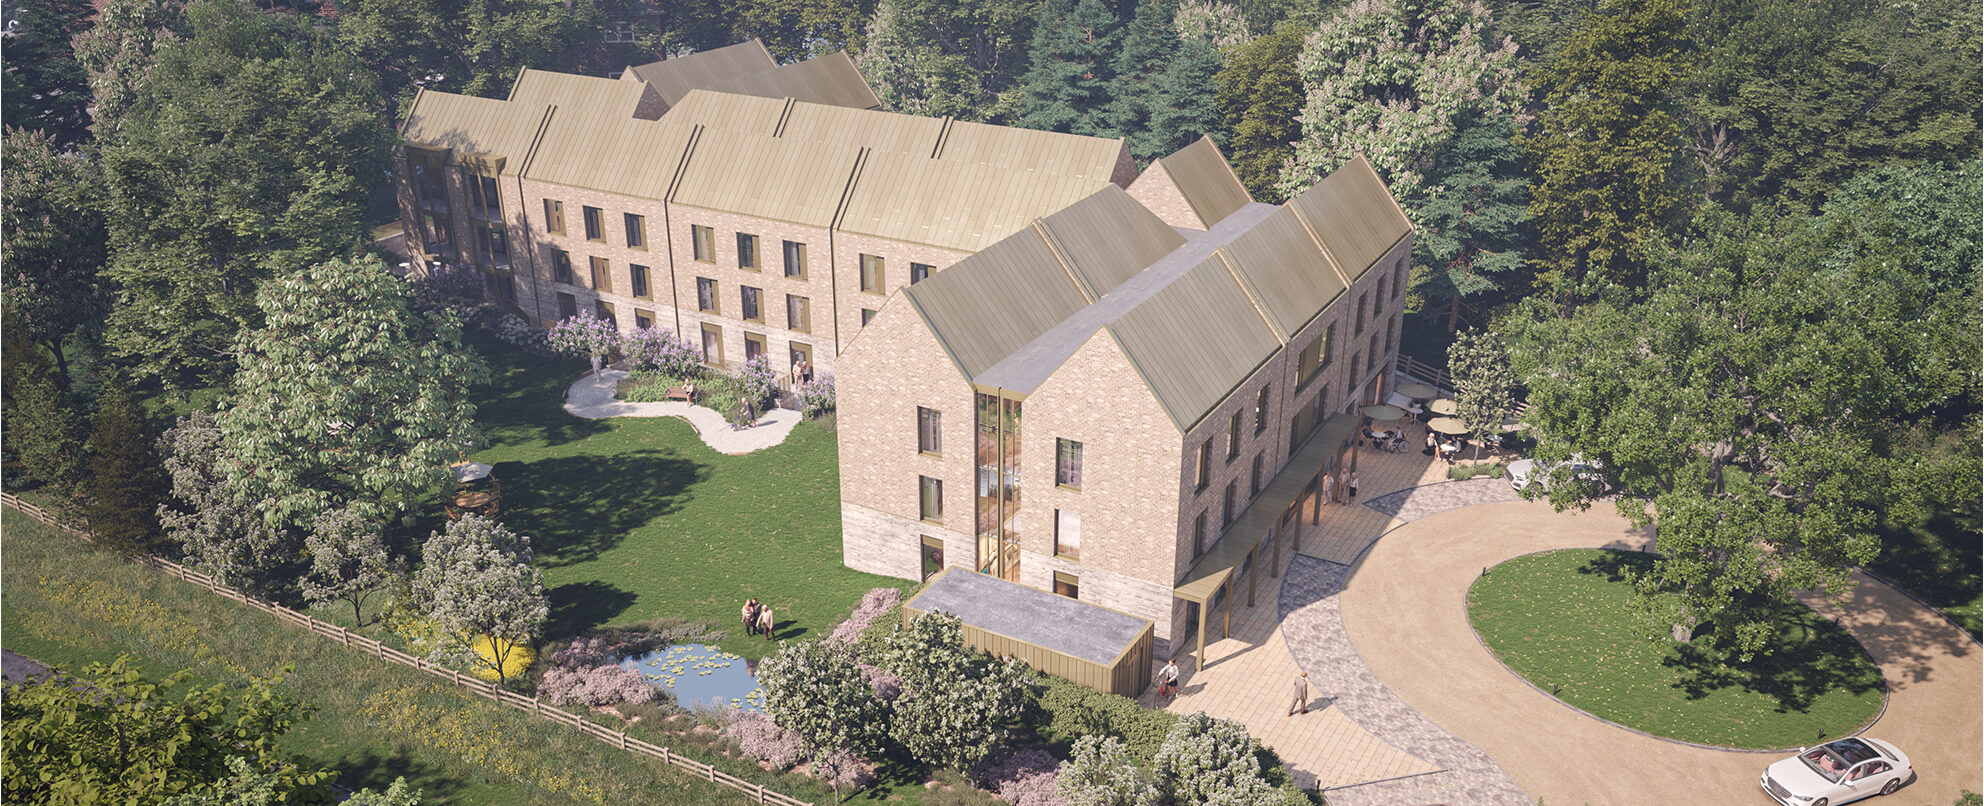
[1561, 619]
[67, 604]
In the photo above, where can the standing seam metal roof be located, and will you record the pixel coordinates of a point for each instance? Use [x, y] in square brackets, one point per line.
[604, 97]
[466, 124]
[675, 78]
[1284, 270]
[1108, 237]
[1195, 340]
[1207, 182]
[831, 79]
[965, 308]
[962, 207]
[1354, 216]
[785, 180]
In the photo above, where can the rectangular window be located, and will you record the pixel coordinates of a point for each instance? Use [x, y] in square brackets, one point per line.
[1227, 511]
[1398, 279]
[795, 259]
[706, 295]
[918, 272]
[1199, 535]
[1233, 437]
[1068, 463]
[798, 313]
[1205, 465]
[747, 251]
[1067, 585]
[1391, 334]
[554, 216]
[712, 345]
[604, 310]
[1378, 301]
[931, 505]
[1329, 344]
[1363, 302]
[440, 242]
[929, 431]
[595, 223]
[933, 556]
[501, 286]
[1254, 485]
[754, 345]
[1307, 363]
[602, 275]
[495, 244]
[637, 230]
[568, 305]
[643, 320]
[1067, 534]
[872, 274]
[491, 201]
[704, 242]
[1371, 358]
[752, 312]
[867, 315]
[561, 267]
[640, 277]
[1261, 410]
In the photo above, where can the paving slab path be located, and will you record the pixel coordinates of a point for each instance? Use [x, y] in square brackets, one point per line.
[1403, 606]
[592, 397]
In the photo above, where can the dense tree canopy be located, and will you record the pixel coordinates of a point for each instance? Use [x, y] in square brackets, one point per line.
[45, 87]
[936, 57]
[54, 240]
[1260, 99]
[1073, 65]
[474, 47]
[1472, 220]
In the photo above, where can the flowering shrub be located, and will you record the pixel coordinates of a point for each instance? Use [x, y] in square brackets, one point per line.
[608, 684]
[887, 684]
[873, 604]
[1034, 789]
[755, 734]
[658, 350]
[817, 395]
[584, 653]
[516, 658]
[843, 769]
[512, 329]
[585, 335]
[451, 285]
[757, 381]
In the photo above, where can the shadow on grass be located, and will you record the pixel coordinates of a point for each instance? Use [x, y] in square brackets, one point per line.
[372, 769]
[577, 607]
[576, 507]
[524, 401]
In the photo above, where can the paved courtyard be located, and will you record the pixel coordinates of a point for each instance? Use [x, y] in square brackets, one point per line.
[1408, 708]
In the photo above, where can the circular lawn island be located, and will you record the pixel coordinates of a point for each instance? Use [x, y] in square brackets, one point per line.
[1564, 621]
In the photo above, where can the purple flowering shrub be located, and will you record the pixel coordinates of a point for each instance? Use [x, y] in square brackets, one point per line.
[842, 769]
[817, 395]
[1034, 789]
[1024, 778]
[758, 738]
[757, 381]
[585, 335]
[601, 685]
[887, 684]
[657, 350]
[873, 605]
[585, 653]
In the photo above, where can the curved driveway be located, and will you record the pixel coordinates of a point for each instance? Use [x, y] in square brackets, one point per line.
[1405, 610]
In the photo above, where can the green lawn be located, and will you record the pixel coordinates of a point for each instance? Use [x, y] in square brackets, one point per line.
[67, 604]
[634, 518]
[1561, 619]
[1941, 561]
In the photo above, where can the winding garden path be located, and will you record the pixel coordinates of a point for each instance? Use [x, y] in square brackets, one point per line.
[591, 397]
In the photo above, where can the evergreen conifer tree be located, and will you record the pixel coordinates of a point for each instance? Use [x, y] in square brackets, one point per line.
[1067, 89]
[43, 431]
[1471, 233]
[125, 481]
[1260, 99]
[1187, 108]
[1151, 45]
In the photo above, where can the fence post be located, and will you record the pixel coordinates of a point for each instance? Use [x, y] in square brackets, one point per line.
[623, 739]
[533, 704]
[664, 755]
[761, 794]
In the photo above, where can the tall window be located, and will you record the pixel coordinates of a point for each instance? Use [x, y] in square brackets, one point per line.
[704, 242]
[1363, 302]
[595, 223]
[918, 272]
[933, 556]
[795, 259]
[931, 498]
[639, 274]
[1199, 535]
[1261, 410]
[489, 203]
[706, 295]
[554, 216]
[602, 275]
[1371, 358]
[712, 344]
[1391, 334]
[996, 454]
[1307, 362]
[1398, 279]
[495, 244]
[1226, 504]
[798, 313]
[1067, 534]
[1329, 342]
[929, 431]
[1378, 300]
[747, 251]
[1068, 463]
[568, 305]
[752, 312]
[637, 230]
[1233, 437]
[871, 274]
[1205, 464]
[1254, 484]
[561, 267]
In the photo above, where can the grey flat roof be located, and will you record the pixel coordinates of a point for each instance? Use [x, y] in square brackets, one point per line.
[1024, 369]
[1046, 620]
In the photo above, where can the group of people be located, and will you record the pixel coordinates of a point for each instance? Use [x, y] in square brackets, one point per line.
[1167, 687]
[801, 371]
[1445, 447]
[1340, 487]
[758, 619]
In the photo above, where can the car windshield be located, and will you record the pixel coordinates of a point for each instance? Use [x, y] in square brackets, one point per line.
[1826, 763]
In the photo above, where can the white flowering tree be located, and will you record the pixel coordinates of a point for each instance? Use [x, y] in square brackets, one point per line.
[476, 580]
[955, 703]
[1099, 772]
[1206, 760]
[1483, 382]
[218, 528]
[587, 335]
[1388, 79]
[348, 560]
[815, 690]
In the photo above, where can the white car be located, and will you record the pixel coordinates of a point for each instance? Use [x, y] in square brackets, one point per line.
[1837, 772]
[1524, 472]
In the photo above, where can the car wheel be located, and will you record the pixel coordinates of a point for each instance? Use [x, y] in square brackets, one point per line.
[1820, 802]
[1893, 785]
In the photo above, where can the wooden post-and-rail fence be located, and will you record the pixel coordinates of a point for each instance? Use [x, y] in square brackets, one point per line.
[372, 647]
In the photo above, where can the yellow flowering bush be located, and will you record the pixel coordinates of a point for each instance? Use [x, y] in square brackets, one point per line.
[520, 657]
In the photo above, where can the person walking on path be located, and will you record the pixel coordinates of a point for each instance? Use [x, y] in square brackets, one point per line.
[751, 616]
[798, 370]
[1353, 486]
[765, 622]
[1301, 694]
[1167, 679]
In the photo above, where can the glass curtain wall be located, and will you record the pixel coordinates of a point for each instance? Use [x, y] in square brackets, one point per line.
[997, 453]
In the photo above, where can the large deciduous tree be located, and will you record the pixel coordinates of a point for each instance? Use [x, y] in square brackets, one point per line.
[1471, 222]
[956, 704]
[1390, 80]
[348, 560]
[472, 47]
[1607, 156]
[54, 239]
[45, 88]
[1775, 391]
[42, 427]
[247, 151]
[815, 689]
[1484, 384]
[362, 404]
[947, 57]
[476, 581]
[219, 528]
[1073, 61]
[118, 52]
[1260, 98]
[793, 30]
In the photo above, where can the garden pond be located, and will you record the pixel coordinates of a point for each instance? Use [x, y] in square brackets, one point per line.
[699, 674]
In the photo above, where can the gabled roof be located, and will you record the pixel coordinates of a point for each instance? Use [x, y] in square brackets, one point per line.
[1107, 238]
[1354, 216]
[1031, 150]
[959, 206]
[1195, 340]
[831, 79]
[1284, 271]
[638, 158]
[675, 78]
[604, 98]
[969, 312]
[882, 131]
[1208, 183]
[747, 114]
[785, 180]
[467, 125]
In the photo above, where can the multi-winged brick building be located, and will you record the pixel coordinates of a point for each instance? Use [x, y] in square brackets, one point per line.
[1001, 305]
